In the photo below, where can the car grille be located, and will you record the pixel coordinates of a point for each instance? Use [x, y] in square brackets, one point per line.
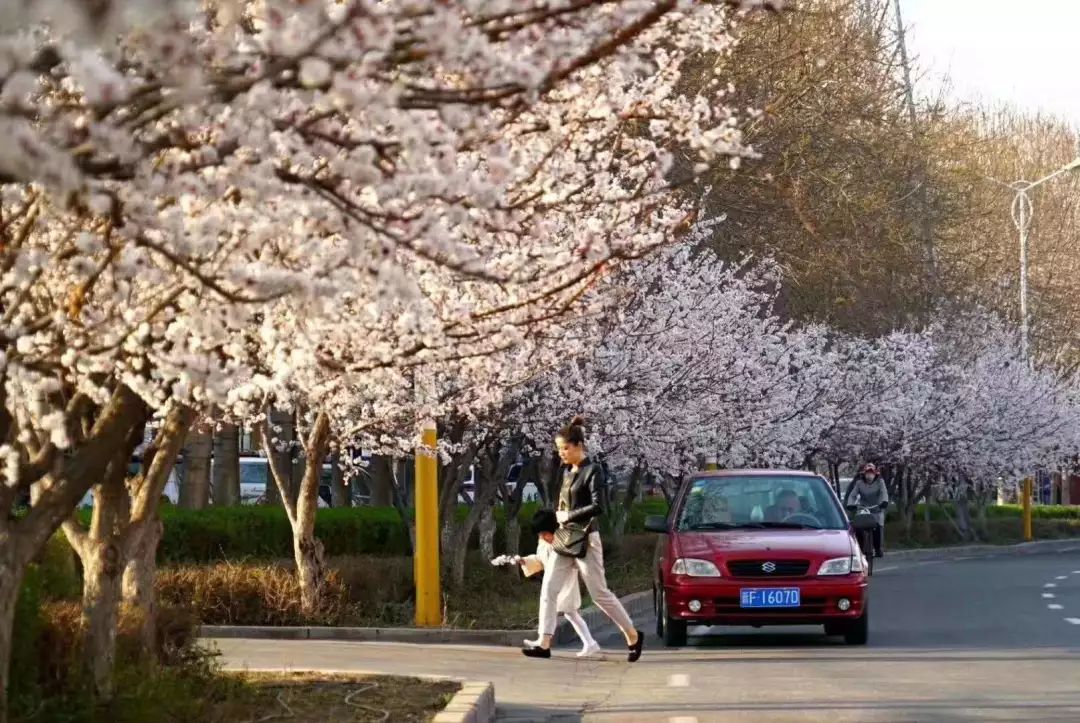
[768, 568]
[808, 605]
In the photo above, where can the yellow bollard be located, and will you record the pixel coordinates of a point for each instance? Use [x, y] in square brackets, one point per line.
[710, 464]
[426, 555]
[1028, 489]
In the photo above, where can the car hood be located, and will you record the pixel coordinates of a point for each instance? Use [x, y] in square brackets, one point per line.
[747, 544]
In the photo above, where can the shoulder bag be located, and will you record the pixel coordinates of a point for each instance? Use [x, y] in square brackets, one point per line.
[571, 540]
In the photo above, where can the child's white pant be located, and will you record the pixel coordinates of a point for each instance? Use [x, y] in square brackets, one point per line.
[580, 627]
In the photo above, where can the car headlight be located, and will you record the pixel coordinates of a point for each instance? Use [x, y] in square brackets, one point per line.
[836, 566]
[695, 568]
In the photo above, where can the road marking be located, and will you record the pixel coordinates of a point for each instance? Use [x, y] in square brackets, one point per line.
[1050, 585]
[1076, 572]
[886, 569]
[1055, 606]
[1062, 577]
[683, 719]
[678, 680]
[1048, 596]
[1074, 621]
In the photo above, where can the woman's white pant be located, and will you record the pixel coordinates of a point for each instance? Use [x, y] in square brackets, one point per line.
[591, 569]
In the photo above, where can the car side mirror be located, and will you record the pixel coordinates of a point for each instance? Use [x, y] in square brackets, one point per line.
[656, 523]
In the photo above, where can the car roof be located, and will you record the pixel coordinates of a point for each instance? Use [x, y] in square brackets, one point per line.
[754, 473]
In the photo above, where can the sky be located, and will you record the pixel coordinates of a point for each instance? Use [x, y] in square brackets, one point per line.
[1023, 51]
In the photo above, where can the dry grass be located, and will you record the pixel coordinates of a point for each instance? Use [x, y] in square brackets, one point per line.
[311, 698]
[231, 593]
[378, 591]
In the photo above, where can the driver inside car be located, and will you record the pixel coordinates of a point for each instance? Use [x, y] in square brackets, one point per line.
[787, 504]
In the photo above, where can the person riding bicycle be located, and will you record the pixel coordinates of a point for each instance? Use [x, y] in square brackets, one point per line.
[869, 488]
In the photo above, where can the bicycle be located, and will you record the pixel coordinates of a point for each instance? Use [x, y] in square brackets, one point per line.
[864, 522]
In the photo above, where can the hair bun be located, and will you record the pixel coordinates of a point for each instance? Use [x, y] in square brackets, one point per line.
[577, 421]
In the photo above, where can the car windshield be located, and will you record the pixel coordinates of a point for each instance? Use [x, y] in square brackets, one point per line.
[760, 501]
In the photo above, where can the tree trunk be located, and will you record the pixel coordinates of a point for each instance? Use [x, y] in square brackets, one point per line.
[12, 571]
[195, 492]
[621, 512]
[487, 532]
[138, 584]
[458, 552]
[963, 517]
[146, 529]
[307, 550]
[408, 522]
[551, 480]
[310, 568]
[101, 549]
[382, 481]
[513, 535]
[226, 466]
[927, 498]
[294, 464]
[69, 479]
[909, 519]
[102, 575]
[340, 493]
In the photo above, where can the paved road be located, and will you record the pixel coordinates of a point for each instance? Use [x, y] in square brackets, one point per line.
[988, 638]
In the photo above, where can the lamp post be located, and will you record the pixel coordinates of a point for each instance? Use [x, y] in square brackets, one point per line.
[1022, 211]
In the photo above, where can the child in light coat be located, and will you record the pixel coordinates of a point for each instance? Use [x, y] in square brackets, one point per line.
[568, 603]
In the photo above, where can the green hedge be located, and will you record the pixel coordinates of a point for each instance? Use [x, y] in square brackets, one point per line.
[1046, 512]
[262, 533]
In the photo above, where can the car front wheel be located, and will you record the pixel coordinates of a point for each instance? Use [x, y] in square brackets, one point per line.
[857, 632]
[672, 631]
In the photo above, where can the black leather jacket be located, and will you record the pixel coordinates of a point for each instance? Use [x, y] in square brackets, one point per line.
[586, 494]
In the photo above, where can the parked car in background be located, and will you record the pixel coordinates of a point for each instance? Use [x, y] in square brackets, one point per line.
[255, 478]
[753, 547]
[513, 478]
[172, 485]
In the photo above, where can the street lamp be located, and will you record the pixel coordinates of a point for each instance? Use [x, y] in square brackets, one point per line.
[1022, 212]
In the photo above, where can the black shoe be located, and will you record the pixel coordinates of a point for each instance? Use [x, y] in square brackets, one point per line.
[635, 649]
[879, 553]
[536, 652]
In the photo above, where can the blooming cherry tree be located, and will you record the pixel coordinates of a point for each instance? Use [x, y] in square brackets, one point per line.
[191, 197]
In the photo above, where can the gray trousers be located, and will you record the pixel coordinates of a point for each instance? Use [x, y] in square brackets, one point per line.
[591, 569]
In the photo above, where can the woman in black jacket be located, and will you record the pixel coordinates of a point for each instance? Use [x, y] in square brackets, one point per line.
[581, 502]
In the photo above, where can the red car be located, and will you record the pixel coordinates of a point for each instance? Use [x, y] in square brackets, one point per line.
[758, 547]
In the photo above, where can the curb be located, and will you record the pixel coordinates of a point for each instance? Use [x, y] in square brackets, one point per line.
[1020, 548]
[474, 703]
[386, 635]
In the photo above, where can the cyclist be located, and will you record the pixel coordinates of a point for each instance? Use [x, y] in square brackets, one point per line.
[870, 492]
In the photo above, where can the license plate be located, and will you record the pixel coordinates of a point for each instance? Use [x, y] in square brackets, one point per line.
[769, 597]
